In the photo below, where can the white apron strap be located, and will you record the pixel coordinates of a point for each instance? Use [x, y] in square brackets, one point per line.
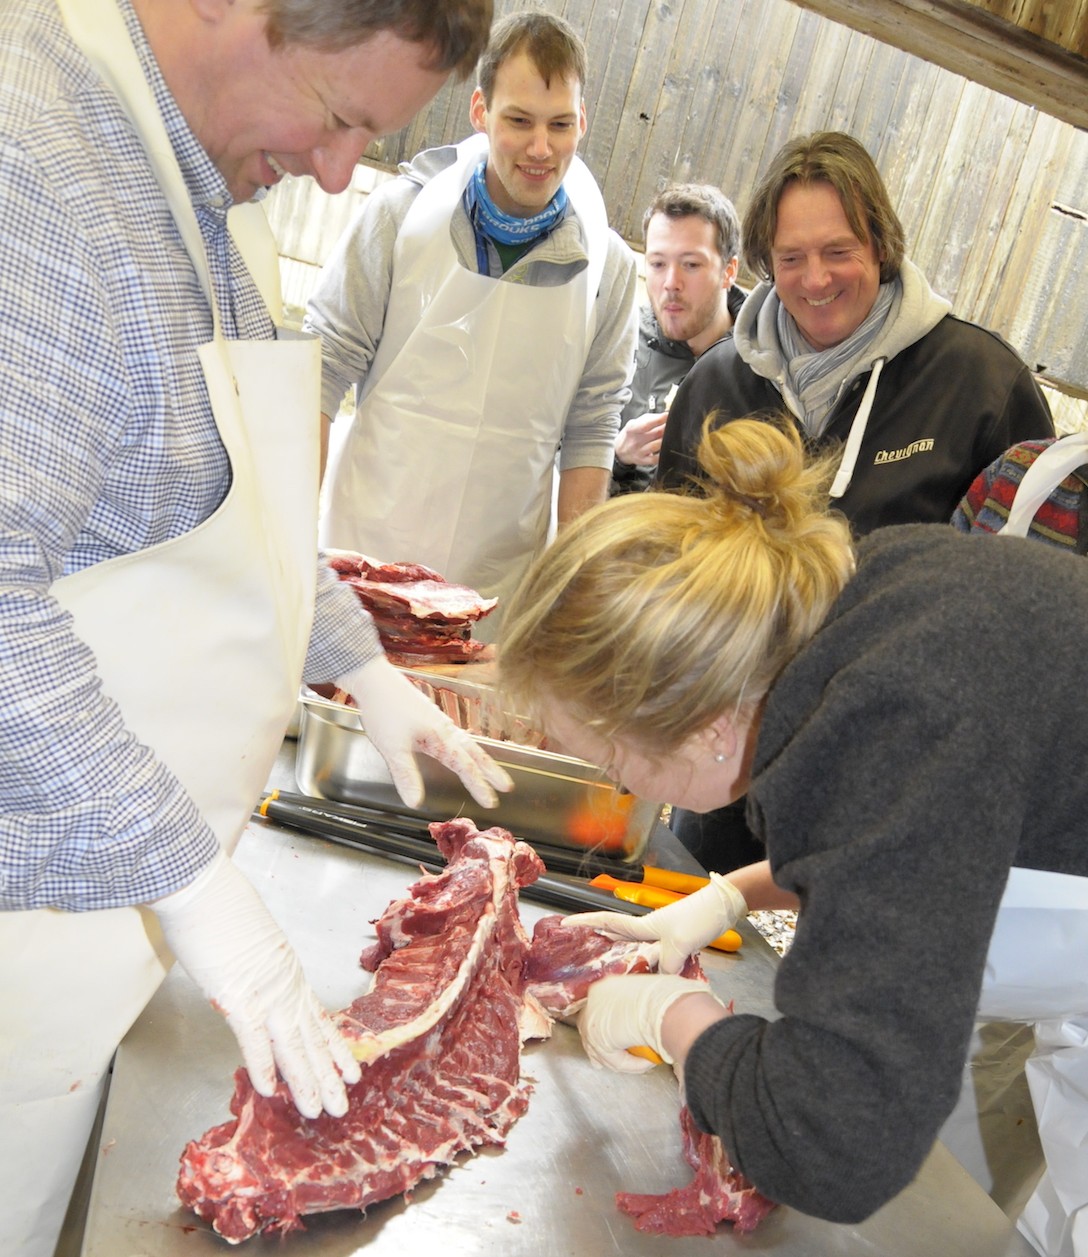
[250, 231]
[1041, 479]
[99, 29]
[588, 204]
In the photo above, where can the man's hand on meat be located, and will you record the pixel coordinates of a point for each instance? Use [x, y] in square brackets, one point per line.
[629, 1011]
[399, 720]
[226, 939]
[682, 929]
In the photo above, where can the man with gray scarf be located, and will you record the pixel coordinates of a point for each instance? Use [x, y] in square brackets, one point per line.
[844, 335]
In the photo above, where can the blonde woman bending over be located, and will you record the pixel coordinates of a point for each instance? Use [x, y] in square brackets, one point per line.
[891, 709]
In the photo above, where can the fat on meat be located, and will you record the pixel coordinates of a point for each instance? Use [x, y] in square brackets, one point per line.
[565, 960]
[440, 1032]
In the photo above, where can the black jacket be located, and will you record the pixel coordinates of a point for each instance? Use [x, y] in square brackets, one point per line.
[945, 408]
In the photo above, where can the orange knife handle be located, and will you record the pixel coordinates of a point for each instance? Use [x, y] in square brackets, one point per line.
[729, 941]
[271, 797]
[648, 896]
[666, 879]
[647, 1054]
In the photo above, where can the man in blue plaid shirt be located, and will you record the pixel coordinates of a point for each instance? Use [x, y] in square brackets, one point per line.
[160, 592]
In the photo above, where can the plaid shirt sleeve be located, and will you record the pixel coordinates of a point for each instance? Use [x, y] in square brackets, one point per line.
[108, 446]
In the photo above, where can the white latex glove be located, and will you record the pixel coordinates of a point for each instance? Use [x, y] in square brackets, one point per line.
[638, 442]
[626, 1011]
[226, 939]
[399, 720]
[683, 928]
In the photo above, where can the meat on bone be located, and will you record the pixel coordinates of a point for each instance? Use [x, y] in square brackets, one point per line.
[420, 616]
[439, 1032]
[563, 964]
[457, 989]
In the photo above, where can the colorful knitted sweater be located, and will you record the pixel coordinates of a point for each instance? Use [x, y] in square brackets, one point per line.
[1062, 520]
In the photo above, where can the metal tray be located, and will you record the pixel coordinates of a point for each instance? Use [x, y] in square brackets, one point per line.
[556, 799]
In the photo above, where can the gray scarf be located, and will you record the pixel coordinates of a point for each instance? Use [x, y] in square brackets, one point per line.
[817, 377]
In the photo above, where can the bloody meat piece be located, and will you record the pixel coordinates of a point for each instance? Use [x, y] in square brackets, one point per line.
[717, 1193]
[432, 600]
[439, 1031]
[564, 962]
[348, 563]
[420, 616]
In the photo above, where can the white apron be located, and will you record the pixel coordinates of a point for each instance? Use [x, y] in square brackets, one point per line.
[201, 641]
[1040, 480]
[450, 456]
[1053, 911]
[1036, 973]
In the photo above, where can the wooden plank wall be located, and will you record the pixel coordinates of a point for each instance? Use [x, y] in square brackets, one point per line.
[1063, 22]
[992, 193]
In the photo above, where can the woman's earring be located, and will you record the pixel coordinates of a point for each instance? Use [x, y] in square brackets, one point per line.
[719, 758]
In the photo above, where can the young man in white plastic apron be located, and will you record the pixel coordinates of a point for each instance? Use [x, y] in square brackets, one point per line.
[482, 371]
[181, 632]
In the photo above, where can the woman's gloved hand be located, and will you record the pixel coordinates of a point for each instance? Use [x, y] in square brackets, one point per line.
[683, 928]
[627, 1011]
[224, 936]
[399, 720]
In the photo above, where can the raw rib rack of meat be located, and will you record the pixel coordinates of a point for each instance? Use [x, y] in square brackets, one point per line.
[421, 617]
[440, 1034]
[457, 989]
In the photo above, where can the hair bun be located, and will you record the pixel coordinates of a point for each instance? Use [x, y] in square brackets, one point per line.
[761, 465]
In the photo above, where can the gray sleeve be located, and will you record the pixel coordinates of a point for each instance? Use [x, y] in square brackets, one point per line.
[347, 310]
[900, 868]
[589, 435]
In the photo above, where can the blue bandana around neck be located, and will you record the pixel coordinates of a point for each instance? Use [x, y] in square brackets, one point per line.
[491, 222]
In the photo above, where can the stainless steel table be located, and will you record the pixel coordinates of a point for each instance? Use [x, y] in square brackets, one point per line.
[587, 1134]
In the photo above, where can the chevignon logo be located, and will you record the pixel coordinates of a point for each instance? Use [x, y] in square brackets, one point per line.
[897, 456]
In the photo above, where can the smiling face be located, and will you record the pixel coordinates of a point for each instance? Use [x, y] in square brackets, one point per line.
[824, 275]
[690, 777]
[296, 110]
[686, 279]
[533, 129]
